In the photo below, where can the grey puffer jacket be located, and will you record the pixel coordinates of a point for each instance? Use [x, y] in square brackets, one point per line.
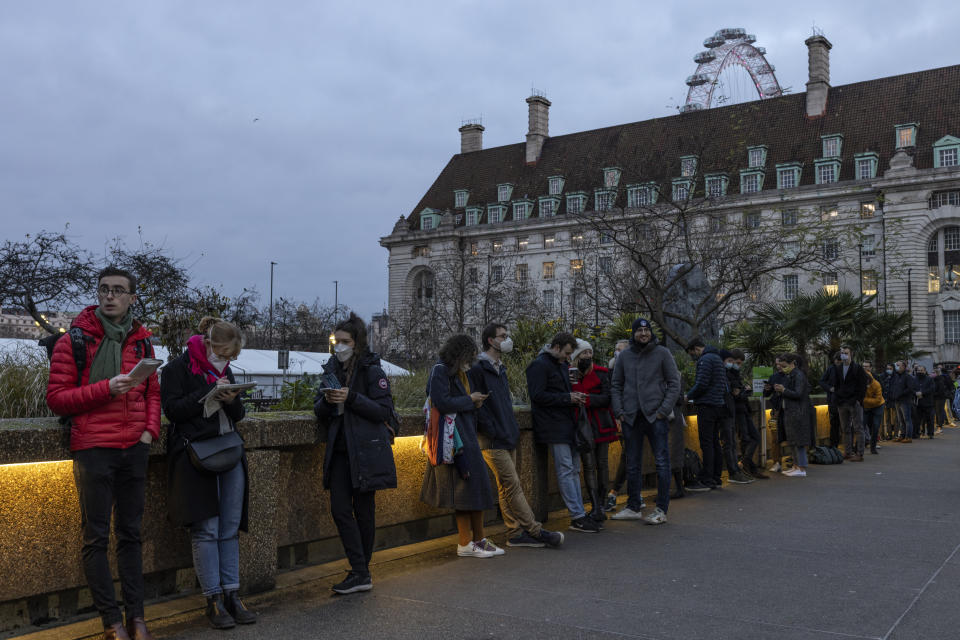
[645, 381]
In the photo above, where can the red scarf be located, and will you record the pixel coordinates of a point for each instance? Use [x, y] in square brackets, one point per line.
[199, 365]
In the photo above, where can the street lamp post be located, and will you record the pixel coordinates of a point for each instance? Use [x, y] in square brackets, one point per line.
[860, 257]
[270, 338]
[336, 300]
[883, 236]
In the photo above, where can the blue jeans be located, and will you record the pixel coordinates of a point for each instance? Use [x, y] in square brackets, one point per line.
[905, 411]
[216, 540]
[567, 464]
[658, 433]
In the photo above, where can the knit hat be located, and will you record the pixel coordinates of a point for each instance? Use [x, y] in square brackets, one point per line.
[641, 322]
[582, 345]
[724, 354]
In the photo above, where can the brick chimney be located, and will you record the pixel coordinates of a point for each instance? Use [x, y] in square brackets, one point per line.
[471, 137]
[818, 84]
[538, 126]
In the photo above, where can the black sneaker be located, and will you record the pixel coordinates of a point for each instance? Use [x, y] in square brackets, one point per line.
[696, 487]
[354, 582]
[611, 503]
[550, 538]
[584, 524]
[740, 477]
[525, 540]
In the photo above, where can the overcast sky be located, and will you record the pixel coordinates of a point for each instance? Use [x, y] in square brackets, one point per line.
[236, 133]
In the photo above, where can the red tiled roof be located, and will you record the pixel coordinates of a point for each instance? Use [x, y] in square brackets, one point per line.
[864, 112]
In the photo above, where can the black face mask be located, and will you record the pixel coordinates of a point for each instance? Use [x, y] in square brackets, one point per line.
[584, 364]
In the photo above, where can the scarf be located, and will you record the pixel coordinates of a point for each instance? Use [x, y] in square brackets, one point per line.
[109, 357]
[199, 365]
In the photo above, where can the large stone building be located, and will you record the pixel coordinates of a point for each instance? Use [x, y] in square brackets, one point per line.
[882, 155]
[17, 323]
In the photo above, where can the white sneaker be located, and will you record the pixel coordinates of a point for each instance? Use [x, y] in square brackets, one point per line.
[788, 472]
[796, 472]
[656, 517]
[486, 545]
[627, 514]
[473, 550]
[776, 467]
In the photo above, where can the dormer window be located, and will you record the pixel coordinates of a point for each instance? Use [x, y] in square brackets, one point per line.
[473, 216]
[682, 188]
[716, 185]
[906, 135]
[496, 213]
[865, 165]
[504, 191]
[460, 198]
[641, 195]
[946, 152]
[429, 219]
[603, 200]
[827, 170]
[832, 145]
[788, 175]
[522, 209]
[576, 202]
[757, 156]
[751, 180]
[548, 206]
[555, 185]
[688, 166]
[611, 178]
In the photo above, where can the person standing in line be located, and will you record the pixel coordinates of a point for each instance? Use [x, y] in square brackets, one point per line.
[358, 460]
[776, 403]
[872, 406]
[709, 393]
[749, 435]
[940, 399]
[113, 420]
[795, 392]
[889, 427]
[646, 385]
[728, 439]
[828, 382]
[498, 433]
[621, 476]
[593, 381]
[927, 387]
[464, 484]
[212, 505]
[904, 391]
[553, 404]
[850, 386]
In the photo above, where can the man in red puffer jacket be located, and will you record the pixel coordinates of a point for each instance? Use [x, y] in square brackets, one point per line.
[113, 423]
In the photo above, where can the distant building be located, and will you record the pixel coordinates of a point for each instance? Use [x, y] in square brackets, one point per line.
[17, 323]
[883, 155]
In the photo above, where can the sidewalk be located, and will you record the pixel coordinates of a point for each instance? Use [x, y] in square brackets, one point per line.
[858, 550]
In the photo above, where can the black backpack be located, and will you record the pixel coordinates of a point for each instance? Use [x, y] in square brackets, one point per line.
[692, 467]
[825, 455]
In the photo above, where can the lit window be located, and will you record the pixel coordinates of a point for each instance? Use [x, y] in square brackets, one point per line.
[756, 156]
[576, 239]
[460, 198]
[548, 299]
[495, 213]
[868, 285]
[576, 265]
[751, 219]
[831, 249]
[945, 198]
[523, 273]
[422, 251]
[791, 286]
[831, 145]
[868, 246]
[829, 212]
[933, 280]
[549, 240]
[496, 246]
[522, 243]
[604, 200]
[474, 249]
[555, 185]
[504, 191]
[906, 135]
[830, 283]
[951, 326]
[789, 217]
[688, 166]
[548, 270]
[867, 209]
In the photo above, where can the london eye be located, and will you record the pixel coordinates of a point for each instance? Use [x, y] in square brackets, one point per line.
[731, 70]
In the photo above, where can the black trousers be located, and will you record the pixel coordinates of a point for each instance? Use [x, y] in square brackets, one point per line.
[354, 513]
[749, 437]
[834, 425]
[104, 477]
[728, 445]
[596, 467]
[940, 404]
[926, 421]
[709, 424]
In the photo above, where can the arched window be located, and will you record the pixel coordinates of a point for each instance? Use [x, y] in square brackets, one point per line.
[423, 288]
[943, 264]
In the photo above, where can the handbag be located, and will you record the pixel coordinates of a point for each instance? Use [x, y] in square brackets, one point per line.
[216, 455]
[584, 433]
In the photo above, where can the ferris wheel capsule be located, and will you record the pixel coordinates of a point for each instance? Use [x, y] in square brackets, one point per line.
[725, 49]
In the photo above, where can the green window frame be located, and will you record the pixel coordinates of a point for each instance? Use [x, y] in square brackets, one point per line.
[865, 165]
[825, 168]
[750, 178]
[946, 152]
[611, 177]
[715, 184]
[906, 135]
[788, 172]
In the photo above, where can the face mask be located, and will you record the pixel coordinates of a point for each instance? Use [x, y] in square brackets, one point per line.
[728, 365]
[584, 364]
[343, 352]
[465, 368]
[921, 374]
[736, 367]
[218, 363]
[889, 370]
[506, 346]
[844, 357]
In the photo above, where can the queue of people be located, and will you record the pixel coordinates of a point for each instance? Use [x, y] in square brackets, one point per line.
[578, 407]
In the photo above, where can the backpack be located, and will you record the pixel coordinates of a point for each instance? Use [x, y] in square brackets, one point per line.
[692, 467]
[825, 455]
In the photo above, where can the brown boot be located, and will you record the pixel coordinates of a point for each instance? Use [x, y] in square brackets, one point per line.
[856, 458]
[137, 628]
[115, 632]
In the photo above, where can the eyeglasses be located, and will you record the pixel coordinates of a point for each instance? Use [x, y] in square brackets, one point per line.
[116, 292]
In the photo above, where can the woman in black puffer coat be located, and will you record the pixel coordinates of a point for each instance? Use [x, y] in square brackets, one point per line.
[358, 460]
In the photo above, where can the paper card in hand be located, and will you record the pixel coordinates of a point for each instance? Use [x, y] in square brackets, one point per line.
[144, 370]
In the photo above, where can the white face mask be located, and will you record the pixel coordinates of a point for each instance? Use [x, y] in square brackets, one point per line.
[506, 346]
[343, 352]
[218, 363]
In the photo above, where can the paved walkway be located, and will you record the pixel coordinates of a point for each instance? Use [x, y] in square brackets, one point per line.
[858, 550]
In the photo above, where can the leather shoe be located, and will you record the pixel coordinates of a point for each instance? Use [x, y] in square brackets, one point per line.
[115, 632]
[236, 608]
[137, 629]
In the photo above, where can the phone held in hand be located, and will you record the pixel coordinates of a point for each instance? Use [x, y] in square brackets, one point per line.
[330, 381]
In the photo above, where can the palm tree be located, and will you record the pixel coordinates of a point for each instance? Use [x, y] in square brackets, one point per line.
[762, 341]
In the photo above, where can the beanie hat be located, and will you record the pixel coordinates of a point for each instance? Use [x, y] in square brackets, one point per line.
[641, 322]
[582, 345]
[724, 354]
